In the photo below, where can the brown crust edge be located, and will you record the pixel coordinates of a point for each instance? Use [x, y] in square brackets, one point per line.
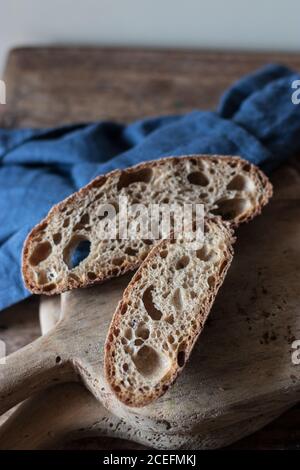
[99, 181]
[170, 378]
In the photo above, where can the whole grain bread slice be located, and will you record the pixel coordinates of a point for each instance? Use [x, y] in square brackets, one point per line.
[227, 186]
[163, 311]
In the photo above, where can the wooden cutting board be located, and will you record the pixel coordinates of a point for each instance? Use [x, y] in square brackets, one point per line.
[240, 374]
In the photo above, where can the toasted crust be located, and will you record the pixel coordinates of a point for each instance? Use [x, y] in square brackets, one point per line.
[142, 387]
[52, 276]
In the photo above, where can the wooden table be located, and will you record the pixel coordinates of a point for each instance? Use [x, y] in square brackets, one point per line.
[54, 85]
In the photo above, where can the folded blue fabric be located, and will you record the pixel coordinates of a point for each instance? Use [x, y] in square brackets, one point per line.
[256, 119]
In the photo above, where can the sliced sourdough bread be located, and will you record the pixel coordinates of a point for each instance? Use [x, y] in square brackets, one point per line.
[227, 186]
[163, 311]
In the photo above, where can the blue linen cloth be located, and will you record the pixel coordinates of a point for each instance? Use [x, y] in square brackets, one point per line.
[255, 119]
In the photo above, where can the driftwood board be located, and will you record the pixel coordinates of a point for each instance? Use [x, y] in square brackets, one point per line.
[240, 375]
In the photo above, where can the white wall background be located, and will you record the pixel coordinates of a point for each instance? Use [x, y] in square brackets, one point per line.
[239, 24]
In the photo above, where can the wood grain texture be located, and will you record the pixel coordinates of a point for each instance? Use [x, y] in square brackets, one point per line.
[47, 86]
[19, 324]
[53, 85]
[77, 422]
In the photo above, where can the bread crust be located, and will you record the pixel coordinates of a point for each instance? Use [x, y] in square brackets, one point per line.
[255, 173]
[136, 398]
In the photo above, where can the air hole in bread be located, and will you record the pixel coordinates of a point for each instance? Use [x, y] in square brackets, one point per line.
[99, 181]
[128, 333]
[247, 167]
[147, 242]
[131, 251]
[150, 363]
[91, 276]
[240, 183]
[116, 332]
[66, 222]
[152, 311]
[77, 250]
[231, 208]
[50, 287]
[123, 308]
[73, 277]
[164, 253]
[171, 339]
[182, 262]
[170, 320]
[40, 253]
[198, 178]
[118, 261]
[42, 277]
[85, 219]
[144, 255]
[138, 342]
[223, 266]
[82, 222]
[181, 358]
[177, 299]
[211, 281]
[57, 238]
[142, 332]
[137, 176]
[125, 367]
[203, 253]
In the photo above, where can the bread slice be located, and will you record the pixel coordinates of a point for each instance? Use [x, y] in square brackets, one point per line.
[228, 186]
[163, 311]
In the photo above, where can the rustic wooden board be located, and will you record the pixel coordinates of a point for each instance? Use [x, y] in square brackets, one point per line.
[119, 84]
[240, 375]
[47, 86]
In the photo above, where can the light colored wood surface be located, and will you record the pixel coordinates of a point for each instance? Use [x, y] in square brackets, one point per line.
[240, 374]
[73, 424]
[62, 414]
